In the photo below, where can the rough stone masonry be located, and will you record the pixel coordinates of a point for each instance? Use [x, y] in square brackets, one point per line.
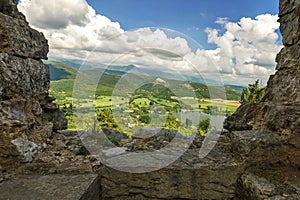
[27, 115]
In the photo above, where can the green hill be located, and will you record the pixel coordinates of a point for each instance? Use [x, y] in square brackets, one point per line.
[59, 70]
[234, 92]
[63, 76]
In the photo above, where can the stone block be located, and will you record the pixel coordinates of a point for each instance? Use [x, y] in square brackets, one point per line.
[68, 187]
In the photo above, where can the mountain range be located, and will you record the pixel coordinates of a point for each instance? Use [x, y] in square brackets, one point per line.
[121, 79]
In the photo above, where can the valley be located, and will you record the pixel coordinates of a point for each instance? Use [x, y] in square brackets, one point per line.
[155, 101]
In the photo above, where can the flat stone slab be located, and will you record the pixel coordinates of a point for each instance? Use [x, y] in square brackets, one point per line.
[81, 187]
[190, 177]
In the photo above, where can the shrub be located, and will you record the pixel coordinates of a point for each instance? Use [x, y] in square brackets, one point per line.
[253, 93]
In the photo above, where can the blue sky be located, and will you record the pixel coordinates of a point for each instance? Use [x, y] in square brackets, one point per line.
[190, 17]
[239, 39]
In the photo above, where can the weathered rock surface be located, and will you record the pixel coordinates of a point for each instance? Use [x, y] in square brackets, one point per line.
[243, 165]
[254, 187]
[18, 39]
[280, 108]
[61, 171]
[263, 147]
[62, 154]
[71, 187]
[251, 187]
[24, 83]
[8, 7]
[23, 77]
[188, 178]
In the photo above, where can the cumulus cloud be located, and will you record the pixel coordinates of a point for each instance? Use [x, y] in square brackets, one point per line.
[54, 14]
[245, 50]
[247, 47]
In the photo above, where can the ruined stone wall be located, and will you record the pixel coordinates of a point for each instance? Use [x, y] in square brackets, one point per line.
[27, 115]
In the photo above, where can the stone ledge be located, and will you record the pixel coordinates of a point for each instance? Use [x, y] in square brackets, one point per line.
[81, 187]
[190, 177]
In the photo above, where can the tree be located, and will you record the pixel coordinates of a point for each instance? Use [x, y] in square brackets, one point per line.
[67, 109]
[145, 118]
[106, 118]
[204, 126]
[253, 94]
[172, 122]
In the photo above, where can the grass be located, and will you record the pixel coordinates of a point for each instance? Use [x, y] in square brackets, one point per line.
[108, 101]
[109, 96]
[142, 101]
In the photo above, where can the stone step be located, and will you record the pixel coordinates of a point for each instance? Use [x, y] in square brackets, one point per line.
[49, 187]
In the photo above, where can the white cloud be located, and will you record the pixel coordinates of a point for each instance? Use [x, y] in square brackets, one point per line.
[222, 20]
[54, 14]
[69, 24]
[248, 47]
[245, 51]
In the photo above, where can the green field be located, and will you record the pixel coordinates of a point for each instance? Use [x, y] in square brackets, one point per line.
[149, 105]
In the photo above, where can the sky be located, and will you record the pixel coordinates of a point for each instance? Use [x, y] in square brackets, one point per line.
[236, 39]
[190, 17]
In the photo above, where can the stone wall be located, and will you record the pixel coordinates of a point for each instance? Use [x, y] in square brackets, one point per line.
[27, 115]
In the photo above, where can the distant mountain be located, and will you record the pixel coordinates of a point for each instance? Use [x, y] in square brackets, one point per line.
[121, 70]
[112, 69]
[59, 70]
[127, 68]
[73, 63]
[234, 92]
[113, 81]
